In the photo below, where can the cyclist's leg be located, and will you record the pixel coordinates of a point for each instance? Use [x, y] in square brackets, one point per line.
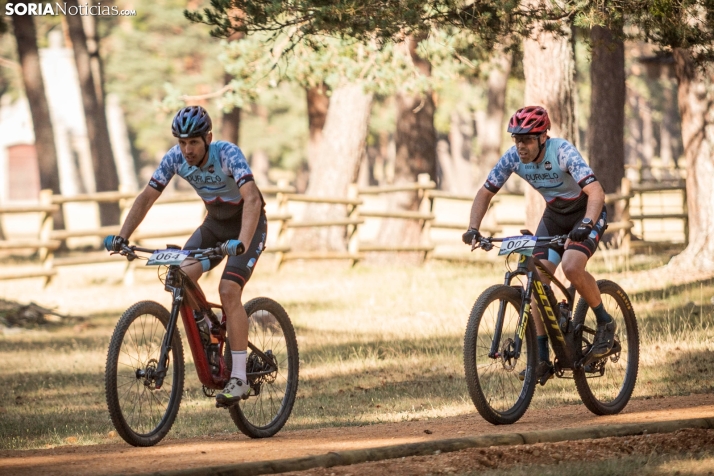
[575, 259]
[236, 274]
[203, 237]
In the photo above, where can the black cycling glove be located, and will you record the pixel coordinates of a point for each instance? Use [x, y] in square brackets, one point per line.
[114, 242]
[582, 231]
[471, 235]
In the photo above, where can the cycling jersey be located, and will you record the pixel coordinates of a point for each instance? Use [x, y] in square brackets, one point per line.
[217, 182]
[559, 177]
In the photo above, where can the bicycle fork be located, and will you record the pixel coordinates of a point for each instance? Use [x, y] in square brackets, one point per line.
[515, 351]
[166, 348]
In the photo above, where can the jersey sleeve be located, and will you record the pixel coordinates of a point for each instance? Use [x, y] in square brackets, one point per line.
[235, 164]
[505, 166]
[167, 169]
[571, 160]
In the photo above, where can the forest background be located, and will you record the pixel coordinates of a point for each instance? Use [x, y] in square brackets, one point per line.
[432, 86]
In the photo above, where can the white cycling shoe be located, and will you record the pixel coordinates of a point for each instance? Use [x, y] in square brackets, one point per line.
[235, 390]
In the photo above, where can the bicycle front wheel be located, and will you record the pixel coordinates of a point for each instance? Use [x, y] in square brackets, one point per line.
[606, 385]
[142, 413]
[494, 381]
[274, 383]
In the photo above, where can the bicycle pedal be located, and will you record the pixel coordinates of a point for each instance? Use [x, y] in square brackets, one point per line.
[545, 378]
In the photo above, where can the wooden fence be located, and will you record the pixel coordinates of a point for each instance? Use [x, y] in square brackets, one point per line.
[49, 240]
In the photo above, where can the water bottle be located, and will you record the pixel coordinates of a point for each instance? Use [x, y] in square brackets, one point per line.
[204, 327]
[212, 353]
[208, 339]
[564, 314]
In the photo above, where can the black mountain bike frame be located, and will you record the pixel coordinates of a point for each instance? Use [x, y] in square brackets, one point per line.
[561, 335]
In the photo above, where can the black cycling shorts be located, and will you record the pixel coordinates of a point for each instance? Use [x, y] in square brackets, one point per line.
[238, 268]
[554, 223]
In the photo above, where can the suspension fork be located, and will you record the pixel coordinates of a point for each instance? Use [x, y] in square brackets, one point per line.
[177, 294]
[494, 351]
[523, 315]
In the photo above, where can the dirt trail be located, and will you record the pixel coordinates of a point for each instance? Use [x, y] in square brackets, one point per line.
[236, 448]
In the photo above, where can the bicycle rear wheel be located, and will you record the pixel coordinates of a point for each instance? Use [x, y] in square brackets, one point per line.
[494, 385]
[273, 393]
[141, 413]
[606, 385]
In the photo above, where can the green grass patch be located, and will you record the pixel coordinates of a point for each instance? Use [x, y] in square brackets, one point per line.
[377, 344]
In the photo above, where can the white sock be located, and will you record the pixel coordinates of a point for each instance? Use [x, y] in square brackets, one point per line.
[238, 369]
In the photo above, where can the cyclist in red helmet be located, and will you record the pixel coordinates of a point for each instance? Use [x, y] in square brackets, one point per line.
[575, 205]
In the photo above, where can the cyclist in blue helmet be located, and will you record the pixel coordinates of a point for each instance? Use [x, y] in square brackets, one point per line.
[219, 173]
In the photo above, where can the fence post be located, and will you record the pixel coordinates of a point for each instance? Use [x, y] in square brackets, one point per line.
[423, 181]
[626, 190]
[282, 200]
[46, 255]
[352, 230]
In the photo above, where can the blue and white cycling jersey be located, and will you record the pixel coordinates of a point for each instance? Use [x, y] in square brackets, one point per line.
[559, 177]
[218, 182]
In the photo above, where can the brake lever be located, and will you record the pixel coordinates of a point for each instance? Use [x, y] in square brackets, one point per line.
[483, 244]
[128, 252]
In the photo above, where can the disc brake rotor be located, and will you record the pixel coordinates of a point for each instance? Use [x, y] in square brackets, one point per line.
[508, 353]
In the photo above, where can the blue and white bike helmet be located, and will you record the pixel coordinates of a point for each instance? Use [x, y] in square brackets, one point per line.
[191, 121]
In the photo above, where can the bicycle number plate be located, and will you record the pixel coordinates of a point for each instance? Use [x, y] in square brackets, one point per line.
[519, 244]
[167, 257]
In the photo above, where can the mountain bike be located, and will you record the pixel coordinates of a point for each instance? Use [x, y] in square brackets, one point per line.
[144, 374]
[500, 351]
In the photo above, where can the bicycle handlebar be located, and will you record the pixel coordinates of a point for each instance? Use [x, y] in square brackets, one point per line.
[486, 243]
[205, 253]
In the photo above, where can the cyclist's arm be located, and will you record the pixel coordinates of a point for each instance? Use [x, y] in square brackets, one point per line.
[480, 207]
[138, 210]
[252, 206]
[596, 199]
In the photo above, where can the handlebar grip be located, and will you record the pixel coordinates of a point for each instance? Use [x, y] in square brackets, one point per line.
[232, 248]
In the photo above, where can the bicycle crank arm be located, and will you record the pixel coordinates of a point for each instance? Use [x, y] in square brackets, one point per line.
[262, 355]
[589, 358]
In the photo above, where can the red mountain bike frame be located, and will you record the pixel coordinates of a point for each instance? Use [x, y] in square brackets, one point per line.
[187, 297]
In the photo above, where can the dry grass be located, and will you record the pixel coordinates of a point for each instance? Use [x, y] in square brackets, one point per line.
[377, 343]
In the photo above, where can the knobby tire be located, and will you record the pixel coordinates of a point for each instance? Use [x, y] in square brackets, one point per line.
[609, 393]
[141, 415]
[499, 396]
[269, 329]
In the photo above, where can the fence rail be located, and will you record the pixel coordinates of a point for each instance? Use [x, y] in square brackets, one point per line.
[50, 240]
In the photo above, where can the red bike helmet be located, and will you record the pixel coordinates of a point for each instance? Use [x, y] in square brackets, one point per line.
[529, 120]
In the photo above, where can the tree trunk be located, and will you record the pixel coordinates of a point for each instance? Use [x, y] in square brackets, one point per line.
[696, 108]
[416, 153]
[665, 130]
[95, 60]
[647, 145]
[454, 155]
[336, 165]
[549, 68]
[490, 133]
[318, 103]
[230, 121]
[606, 128]
[26, 36]
[105, 171]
